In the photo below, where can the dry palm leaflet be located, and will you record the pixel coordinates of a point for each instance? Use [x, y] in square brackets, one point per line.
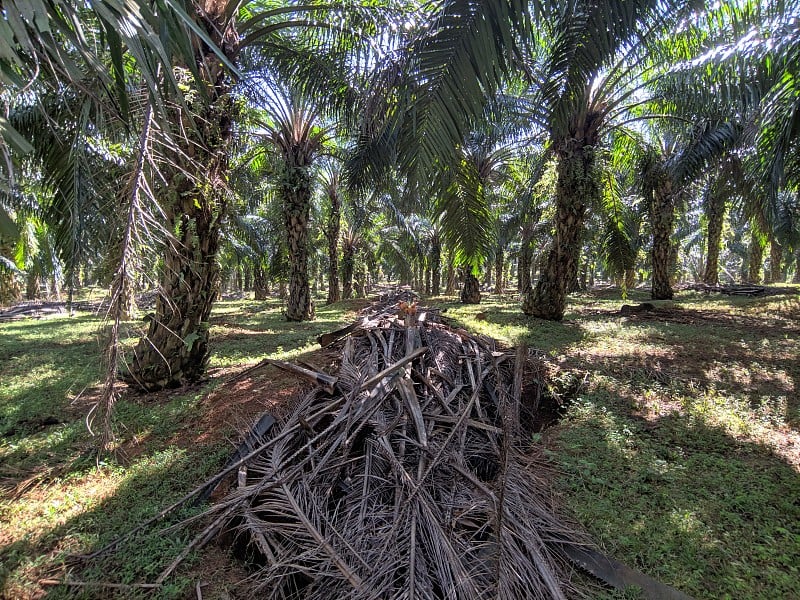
[406, 476]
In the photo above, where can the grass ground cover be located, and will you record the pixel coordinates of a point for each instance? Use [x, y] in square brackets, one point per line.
[679, 452]
[56, 500]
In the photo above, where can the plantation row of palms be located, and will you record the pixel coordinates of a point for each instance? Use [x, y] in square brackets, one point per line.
[165, 143]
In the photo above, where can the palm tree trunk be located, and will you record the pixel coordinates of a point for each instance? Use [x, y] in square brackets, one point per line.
[31, 286]
[248, 277]
[471, 292]
[260, 285]
[361, 280]
[436, 267]
[332, 233]
[583, 279]
[239, 276]
[576, 186]
[715, 215]
[524, 270]
[296, 194]
[499, 263]
[348, 264]
[756, 258]
[662, 216]
[451, 275]
[775, 260]
[175, 349]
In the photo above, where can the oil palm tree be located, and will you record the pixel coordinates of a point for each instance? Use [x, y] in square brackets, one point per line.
[666, 171]
[747, 68]
[592, 69]
[186, 61]
[331, 182]
[296, 132]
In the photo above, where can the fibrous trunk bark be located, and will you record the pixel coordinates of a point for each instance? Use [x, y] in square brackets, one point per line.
[662, 216]
[175, 349]
[471, 291]
[715, 216]
[775, 260]
[450, 288]
[348, 264]
[260, 284]
[499, 263]
[295, 189]
[31, 286]
[239, 276]
[583, 279]
[575, 186]
[248, 277]
[332, 234]
[436, 267]
[361, 281]
[756, 258]
[524, 263]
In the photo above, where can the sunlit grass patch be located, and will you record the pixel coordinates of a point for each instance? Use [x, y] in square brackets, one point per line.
[261, 331]
[681, 499]
[679, 454]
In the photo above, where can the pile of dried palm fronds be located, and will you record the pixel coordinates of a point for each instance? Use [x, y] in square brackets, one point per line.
[406, 480]
[403, 476]
[740, 290]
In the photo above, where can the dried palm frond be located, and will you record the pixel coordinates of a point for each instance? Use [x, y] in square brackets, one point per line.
[403, 476]
[408, 481]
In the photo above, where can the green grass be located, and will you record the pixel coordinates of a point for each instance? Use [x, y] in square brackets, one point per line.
[57, 500]
[676, 455]
[680, 456]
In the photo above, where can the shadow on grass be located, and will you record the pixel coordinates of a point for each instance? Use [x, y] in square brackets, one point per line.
[681, 500]
[151, 483]
[498, 319]
[173, 454]
[759, 366]
[61, 503]
[239, 338]
[41, 364]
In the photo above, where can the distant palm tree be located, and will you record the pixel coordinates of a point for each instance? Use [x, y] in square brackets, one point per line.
[594, 52]
[666, 170]
[331, 180]
[297, 134]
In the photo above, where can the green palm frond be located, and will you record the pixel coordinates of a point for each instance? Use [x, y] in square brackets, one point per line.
[592, 48]
[466, 216]
[621, 241]
[441, 80]
[8, 228]
[706, 143]
[395, 255]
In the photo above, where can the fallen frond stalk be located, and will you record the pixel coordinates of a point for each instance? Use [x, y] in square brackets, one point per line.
[408, 478]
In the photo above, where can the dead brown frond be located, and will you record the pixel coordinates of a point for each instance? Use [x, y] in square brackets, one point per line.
[407, 480]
